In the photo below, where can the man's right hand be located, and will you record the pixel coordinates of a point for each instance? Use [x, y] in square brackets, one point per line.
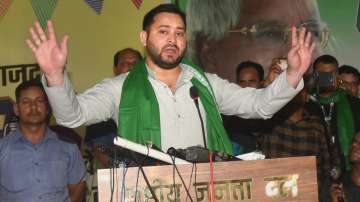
[50, 55]
[274, 71]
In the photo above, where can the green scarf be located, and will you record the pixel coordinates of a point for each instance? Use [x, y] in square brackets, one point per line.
[344, 121]
[139, 116]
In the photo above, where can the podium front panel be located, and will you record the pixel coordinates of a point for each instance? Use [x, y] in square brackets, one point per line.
[284, 179]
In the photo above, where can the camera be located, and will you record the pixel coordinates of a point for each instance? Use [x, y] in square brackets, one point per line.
[324, 81]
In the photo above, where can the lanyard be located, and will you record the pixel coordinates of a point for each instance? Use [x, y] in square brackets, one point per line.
[328, 116]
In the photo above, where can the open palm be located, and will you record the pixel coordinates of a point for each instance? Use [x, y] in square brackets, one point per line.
[50, 55]
[300, 54]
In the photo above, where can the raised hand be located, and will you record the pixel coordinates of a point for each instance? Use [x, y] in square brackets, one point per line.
[50, 55]
[299, 56]
[273, 73]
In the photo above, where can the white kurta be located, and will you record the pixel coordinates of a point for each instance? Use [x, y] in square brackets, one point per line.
[180, 123]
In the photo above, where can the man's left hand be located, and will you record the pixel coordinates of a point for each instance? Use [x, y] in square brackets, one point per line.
[299, 56]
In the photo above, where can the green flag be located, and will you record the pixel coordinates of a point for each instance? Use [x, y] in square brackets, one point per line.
[43, 10]
[180, 4]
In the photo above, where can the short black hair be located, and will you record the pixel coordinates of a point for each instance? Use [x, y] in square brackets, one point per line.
[347, 69]
[162, 8]
[28, 84]
[119, 53]
[249, 64]
[325, 59]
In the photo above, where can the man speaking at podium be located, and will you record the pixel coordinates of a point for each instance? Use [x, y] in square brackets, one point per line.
[152, 102]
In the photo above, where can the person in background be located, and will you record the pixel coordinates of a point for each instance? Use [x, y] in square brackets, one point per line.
[249, 74]
[349, 79]
[339, 111]
[295, 131]
[125, 59]
[36, 164]
[348, 187]
[99, 136]
[242, 131]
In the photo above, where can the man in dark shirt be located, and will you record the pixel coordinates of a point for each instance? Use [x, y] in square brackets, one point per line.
[340, 111]
[241, 131]
[294, 131]
[349, 189]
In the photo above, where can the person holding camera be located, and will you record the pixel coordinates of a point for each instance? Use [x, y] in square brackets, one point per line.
[340, 112]
[347, 189]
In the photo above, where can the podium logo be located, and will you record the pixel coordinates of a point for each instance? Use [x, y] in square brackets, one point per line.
[228, 190]
[282, 186]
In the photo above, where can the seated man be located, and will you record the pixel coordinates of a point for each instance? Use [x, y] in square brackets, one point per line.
[35, 164]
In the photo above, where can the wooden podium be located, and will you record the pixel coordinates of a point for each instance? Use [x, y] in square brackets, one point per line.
[284, 179]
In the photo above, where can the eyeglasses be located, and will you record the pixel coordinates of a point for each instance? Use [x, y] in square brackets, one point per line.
[277, 32]
[348, 83]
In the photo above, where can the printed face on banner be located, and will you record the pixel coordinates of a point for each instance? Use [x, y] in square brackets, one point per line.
[262, 33]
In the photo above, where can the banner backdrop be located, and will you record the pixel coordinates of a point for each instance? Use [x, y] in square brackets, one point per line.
[224, 33]
[341, 18]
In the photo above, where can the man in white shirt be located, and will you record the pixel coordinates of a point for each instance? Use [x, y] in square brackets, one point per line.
[169, 80]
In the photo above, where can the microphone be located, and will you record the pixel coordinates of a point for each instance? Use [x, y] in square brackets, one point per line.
[132, 146]
[194, 154]
[178, 153]
[194, 94]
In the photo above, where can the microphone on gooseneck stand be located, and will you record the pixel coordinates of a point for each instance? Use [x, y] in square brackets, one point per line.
[194, 94]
